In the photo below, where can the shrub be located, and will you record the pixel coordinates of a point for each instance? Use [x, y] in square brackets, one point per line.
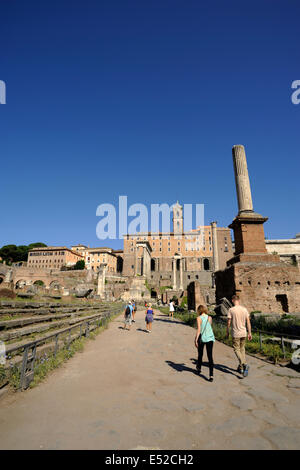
[184, 302]
[7, 293]
[79, 265]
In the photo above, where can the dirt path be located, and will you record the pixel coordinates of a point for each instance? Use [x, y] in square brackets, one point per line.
[131, 390]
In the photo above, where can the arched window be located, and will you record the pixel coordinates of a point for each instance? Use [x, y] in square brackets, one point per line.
[206, 264]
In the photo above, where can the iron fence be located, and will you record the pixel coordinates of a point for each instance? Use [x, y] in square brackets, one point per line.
[29, 349]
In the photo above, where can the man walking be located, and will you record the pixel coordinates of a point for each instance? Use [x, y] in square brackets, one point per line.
[128, 316]
[239, 320]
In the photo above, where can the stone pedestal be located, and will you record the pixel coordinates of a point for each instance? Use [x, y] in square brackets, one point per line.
[249, 233]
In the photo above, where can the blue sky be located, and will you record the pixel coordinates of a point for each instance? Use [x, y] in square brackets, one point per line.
[145, 99]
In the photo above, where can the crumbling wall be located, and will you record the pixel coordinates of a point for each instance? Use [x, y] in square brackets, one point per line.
[267, 287]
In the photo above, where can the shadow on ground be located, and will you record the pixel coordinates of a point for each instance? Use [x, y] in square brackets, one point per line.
[143, 330]
[167, 320]
[181, 367]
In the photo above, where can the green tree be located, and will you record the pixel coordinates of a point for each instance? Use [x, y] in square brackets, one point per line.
[14, 253]
[80, 264]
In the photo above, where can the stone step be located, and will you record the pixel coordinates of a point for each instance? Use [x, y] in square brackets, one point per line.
[45, 347]
[8, 335]
[35, 305]
[7, 324]
[44, 337]
[45, 311]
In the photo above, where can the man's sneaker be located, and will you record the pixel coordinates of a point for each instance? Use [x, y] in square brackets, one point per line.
[240, 370]
[211, 379]
[246, 370]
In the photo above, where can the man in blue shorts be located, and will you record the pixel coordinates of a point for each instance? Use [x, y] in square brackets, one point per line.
[128, 315]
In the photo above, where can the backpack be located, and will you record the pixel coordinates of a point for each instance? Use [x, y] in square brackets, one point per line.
[127, 311]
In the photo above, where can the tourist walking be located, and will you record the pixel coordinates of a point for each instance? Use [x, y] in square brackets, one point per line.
[239, 320]
[128, 315]
[171, 309]
[149, 318]
[205, 337]
[133, 310]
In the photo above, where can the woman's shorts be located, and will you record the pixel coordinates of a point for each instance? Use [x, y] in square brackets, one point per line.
[149, 318]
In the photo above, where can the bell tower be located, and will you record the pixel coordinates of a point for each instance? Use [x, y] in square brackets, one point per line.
[177, 219]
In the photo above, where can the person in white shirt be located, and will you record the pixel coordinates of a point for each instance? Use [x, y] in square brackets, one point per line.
[171, 309]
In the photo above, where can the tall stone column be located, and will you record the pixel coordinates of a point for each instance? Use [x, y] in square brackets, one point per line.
[242, 179]
[181, 274]
[146, 265]
[174, 274]
[248, 228]
[215, 245]
[136, 261]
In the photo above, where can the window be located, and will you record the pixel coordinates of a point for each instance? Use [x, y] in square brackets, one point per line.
[206, 264]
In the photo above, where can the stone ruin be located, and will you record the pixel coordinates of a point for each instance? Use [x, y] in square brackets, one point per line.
[263, 282]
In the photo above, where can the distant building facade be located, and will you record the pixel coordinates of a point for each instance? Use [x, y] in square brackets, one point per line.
[52, 257]
[94, 257]
[287, 249]
[177, 258]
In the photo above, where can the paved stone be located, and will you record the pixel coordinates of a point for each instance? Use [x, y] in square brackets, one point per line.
[243, 402]
[269, 417]
[285, 372]
[294, 383]
[290, 412]
[265, 393]
[248, 443]
[193, 407]
[285, 438]
[238, 424]
[130, 390]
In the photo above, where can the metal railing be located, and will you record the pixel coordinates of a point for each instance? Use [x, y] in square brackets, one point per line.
[273, 336]
[30, 348]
